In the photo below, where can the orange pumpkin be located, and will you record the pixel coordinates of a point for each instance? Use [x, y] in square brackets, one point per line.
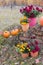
[6, 34]
[41, 21]
[14, 32]
[35, 54]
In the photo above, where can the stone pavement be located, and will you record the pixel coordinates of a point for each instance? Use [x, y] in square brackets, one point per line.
[9, 16]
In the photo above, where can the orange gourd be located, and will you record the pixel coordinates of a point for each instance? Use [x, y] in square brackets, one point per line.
[41, 21]
[6, 34]
[14, 32]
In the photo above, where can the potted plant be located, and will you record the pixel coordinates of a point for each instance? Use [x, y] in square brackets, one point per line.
[34, 49]
[31, 12]
[23, 49]
[27, 50]
[24, 23]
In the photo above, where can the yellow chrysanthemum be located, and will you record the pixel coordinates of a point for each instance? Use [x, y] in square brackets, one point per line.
[25, 44]
[18, 45]
[21, 50]
[22, 47]
[23, 23]
[29, 49]
[24, 17]
[22, 44]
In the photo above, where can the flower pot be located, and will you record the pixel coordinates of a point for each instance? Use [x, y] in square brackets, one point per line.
[41, 21]
[32, 21]
[25, 27]
[25, 55]
[34, 54]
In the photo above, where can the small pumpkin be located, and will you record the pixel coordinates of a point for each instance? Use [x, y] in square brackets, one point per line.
[41, 21]
[14, 32]
[6, 34]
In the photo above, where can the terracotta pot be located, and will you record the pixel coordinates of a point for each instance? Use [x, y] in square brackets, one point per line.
[25, 27]
[32, 21]
[25, 55]
[35, 54]
[41, 21]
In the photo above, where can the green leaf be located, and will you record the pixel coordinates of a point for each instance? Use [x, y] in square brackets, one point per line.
[17, 49]
[32, 48]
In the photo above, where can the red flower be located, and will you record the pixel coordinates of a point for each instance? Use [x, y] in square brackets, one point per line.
[36, 42]
[34, 8]
[31, 11]
[24, 8]
[33, 37]
[32, 15]
[31, 7]
[37, 8]
[28, 46]
[21, 10]
[34, 51]
[27, 9]
[37, 48]
[40, 10]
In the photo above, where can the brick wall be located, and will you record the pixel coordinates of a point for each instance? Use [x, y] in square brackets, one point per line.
[35, 2]
[22, 2]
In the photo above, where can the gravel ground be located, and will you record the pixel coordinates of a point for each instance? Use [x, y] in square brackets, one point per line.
[9, 56]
